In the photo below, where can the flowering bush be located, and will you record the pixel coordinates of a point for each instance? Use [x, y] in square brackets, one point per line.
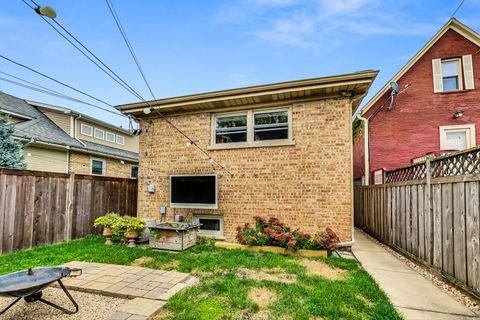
[273, 232]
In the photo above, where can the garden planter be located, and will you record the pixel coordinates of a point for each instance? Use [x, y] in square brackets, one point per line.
[272, 249]
[107, 233]
[131, 236]
[172, 237]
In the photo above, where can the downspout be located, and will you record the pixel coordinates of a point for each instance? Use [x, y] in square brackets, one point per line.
[352, 242]
[366, 141]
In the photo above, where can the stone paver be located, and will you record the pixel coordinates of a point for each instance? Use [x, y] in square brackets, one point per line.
[127, 281]
[411, 294]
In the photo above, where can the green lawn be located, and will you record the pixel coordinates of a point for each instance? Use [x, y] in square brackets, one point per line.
[223, 294]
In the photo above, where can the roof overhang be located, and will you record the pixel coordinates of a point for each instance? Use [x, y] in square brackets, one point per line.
[452, 24]
[352, 85]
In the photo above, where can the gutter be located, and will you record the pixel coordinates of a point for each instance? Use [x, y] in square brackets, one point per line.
[352, 242]
[108, 155]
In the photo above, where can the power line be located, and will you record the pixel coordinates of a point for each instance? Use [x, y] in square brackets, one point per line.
[127, 42]
[55, 80]
[110, 72]
[458, 8]
[191, 141]
[45, 90]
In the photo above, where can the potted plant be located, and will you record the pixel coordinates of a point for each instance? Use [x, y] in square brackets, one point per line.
[131, 227]
[108, 221]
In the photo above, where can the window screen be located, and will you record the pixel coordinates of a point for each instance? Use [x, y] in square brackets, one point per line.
[231, 129]
[271, 125]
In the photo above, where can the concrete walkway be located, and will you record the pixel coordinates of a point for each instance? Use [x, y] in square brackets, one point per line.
[411, 294]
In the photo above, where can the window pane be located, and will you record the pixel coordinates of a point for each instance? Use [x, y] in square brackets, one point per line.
[99, 134]
[450, 83]
[97, 167]
[456, 140]
[271, 125]
[231, 129]
[210, 224]
[449, 68]
[134, 172]
[120, 140]
[87, 130]
[110, 137]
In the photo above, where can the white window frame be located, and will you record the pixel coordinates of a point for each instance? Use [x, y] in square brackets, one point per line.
[251, 143]
[131, 167]
[82, 126]
[119, 136]
[210, 233]
[95, 130]
[469, 130]
[458, 62]
[106, 135]
[104, 166]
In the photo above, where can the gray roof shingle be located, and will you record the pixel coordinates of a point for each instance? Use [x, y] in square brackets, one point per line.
[42, 129]
[110, 150]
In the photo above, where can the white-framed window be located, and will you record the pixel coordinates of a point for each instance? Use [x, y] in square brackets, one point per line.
[97, 167]
[120, 140]
[99, 134]
[210, 226]
[453, 74]
[134, 171]
[110, 137]
[252, 128]
[86, 130]
[378, 176]
[457, 137]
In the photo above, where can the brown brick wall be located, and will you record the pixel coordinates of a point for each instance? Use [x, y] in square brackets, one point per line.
[80, 164]
[307, 185]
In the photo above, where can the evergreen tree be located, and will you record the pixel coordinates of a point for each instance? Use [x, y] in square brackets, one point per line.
[11, 155]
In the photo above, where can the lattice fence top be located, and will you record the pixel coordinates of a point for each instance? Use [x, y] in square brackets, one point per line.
[460, 163]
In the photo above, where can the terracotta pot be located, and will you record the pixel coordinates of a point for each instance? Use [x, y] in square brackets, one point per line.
[131, 236]
[107, 232]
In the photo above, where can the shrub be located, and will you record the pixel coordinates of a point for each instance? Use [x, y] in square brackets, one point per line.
[275, 233]
[108, 220]
[128, 224]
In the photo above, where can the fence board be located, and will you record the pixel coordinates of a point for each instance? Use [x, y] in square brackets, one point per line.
[473, 235]
[437, 223]
[39, 207]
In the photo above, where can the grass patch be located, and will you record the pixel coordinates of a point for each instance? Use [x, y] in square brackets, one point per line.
[222, 293]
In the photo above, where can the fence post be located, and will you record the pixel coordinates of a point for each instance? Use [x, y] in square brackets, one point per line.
[429, 210]
[69, 207]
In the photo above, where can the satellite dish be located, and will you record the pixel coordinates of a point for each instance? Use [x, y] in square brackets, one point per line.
[46, 11]
[394, 87]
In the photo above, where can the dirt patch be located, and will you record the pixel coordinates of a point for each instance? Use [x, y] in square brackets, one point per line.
[141, 261]
[367, 302]
[263, 297]
[262, 315]
[164, 314]
[171, 265]
[318, 268]
[275, 274]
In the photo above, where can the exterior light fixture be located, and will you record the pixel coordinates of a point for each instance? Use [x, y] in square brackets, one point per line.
[346, 93]
[457, 114]
[211, 160]
[189, 143]
[46, 11]
[148, 110]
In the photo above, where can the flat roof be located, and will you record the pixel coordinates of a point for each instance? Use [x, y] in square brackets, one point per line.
[355, 84]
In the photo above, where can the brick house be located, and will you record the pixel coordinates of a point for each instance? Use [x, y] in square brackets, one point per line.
[286, 149]
[58, 139]
[435, 109]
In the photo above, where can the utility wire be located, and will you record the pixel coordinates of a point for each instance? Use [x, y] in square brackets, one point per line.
[458, 8]
[192, 142]
[127, 42]
[55, 80]
[110, 72]
[45, 90]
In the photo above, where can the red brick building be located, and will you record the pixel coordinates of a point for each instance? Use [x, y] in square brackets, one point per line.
[431, 105]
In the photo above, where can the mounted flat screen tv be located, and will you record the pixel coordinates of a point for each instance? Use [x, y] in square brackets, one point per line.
[196, 191]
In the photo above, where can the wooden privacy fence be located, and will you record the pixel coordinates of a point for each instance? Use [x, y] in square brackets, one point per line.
[434, 220]
[40, 207]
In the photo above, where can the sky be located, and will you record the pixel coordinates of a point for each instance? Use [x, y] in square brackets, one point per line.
[188, 47]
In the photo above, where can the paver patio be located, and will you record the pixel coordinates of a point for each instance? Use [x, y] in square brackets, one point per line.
[149, 288]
